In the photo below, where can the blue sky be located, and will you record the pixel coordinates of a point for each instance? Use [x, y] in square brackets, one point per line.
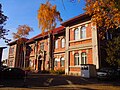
[22, 12]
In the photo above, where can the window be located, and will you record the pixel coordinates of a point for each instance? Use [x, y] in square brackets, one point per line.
[76, 59]
[31, 63]
[55, 62]
[63, 43]
[83, 32]
[76, 34]
[42, 46]
[62, 62]
[83, 58]
[56, 44]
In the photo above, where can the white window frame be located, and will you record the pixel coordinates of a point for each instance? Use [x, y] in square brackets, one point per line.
[55, 62]
[76, 59]
[83, 32]
[76, 34]
[63, 42]
[56, 44]
[62, 60]
[83, 58]
[31, 63]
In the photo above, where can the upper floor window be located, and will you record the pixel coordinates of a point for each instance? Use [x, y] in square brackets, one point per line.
[63, 43]
[42, 46]
[62, 62]
[76, 59]
[83, 32]
[76, 34]
[56, 44]
[83, 58]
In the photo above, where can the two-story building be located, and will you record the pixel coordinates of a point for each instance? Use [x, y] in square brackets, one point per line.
[45, 49]
[65, 47]
[16, 54]
[81, 43]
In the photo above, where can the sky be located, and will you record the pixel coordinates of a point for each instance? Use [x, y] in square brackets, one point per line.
[20, 12]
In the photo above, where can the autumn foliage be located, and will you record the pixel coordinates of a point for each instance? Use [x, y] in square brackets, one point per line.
[48, 16]
[105, 13]
[22, 31]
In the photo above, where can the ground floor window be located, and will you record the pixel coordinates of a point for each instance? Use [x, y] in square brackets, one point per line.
[31, 63]
[83, 58]
[55, 62]
[76, 59]
[62, 62]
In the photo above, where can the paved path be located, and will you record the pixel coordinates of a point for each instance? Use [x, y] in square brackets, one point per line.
[57, 82]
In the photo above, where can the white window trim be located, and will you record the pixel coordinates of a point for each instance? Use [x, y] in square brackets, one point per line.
[56, 44]
[84, 32]
[84, 57]
[63, 42]
[62, 59]
[78, 36]
[79, 59]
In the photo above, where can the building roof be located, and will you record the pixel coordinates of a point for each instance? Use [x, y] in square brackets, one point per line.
[58, 30]
[3, 47]
[42, 35]
[74, 19]
[33, 38]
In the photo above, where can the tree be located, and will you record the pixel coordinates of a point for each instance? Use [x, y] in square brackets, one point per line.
[113, 52]
[48, 17]
[3, 32]
[105, 13]
[22, 32]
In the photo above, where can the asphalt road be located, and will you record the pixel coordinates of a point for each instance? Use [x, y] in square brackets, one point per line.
[58, 82]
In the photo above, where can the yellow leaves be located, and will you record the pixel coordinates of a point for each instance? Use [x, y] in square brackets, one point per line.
[22, 31]
[47, 16]
[104, 12]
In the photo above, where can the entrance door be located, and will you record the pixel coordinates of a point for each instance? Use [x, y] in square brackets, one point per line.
[39, 63]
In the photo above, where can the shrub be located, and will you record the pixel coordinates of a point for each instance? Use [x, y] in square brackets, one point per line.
[59, 71]
[45, 72]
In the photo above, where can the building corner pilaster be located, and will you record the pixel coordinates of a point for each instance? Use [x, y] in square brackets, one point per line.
[66, 51]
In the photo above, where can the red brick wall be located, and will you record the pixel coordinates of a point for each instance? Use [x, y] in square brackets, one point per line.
[81, 42]
[59, 49]
[89, 56]
[74, 69]
[59, 52]
[88, 32]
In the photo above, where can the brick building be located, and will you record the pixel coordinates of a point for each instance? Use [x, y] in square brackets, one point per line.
[81, 43]
[65, 47]
[16, 54]
[45, 49]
